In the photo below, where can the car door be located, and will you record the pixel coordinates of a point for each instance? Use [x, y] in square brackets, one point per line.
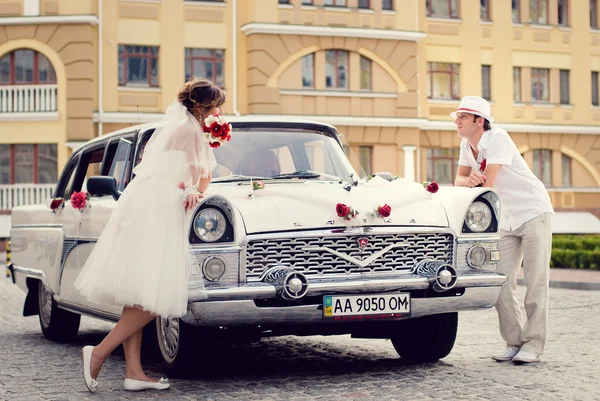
[116, 162]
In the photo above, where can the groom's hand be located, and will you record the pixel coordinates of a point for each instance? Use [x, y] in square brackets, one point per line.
[475, 180]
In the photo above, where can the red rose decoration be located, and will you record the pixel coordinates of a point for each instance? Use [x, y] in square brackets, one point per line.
[385, 210]
[181, 186]
[56, 203]
[342, 210]
[79, 200]
[483, 165]
[432, 187]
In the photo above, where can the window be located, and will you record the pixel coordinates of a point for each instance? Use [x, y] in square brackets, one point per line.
[138, 65]
[540, 84]
[336, 69]
[565, 97]
[486, 82]
[442, 164]
[365, 154]
[308, 71]
[516, 11]
[335, 3]
[595, 88]
[566, 170]
[538, 11]
[365, 73]
[120, 163]
[26, 67]
[542, 165]
[442, 82]
[517, 84]
[563, 12]
[364, 3]
[307, 2]
[205, 63]
[387, 4]
[28, 164]
[593, 13]
[485, 10]
[284, 1]
[442, 8]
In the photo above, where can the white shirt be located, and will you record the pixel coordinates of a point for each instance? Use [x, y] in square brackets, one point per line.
[522, 195]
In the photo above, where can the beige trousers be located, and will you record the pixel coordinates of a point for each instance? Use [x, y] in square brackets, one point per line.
[531, 245]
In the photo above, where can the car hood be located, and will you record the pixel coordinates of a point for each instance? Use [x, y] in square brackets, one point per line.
[310, 204]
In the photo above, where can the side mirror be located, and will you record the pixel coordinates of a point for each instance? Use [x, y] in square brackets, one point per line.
[103, 185]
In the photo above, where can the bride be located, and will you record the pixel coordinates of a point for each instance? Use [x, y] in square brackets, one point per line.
[140, 261]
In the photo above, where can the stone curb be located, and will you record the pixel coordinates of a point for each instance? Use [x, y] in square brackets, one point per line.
[571, 285]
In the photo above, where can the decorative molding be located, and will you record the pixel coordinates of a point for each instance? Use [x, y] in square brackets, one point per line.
[337, 93]
[51, 19]
[420, 123]
[205, 3]
[140, 89]
[30, 117]
[311, 30]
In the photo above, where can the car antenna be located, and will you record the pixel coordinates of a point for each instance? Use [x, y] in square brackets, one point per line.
[138, 111]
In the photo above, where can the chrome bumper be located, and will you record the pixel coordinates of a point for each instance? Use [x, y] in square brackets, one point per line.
[235, 305]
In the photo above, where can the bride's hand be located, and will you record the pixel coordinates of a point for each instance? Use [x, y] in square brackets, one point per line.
[191, 201]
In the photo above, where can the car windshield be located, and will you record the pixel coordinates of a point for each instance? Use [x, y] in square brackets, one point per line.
[281, 154]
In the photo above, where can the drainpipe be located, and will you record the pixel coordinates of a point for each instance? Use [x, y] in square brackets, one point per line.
[235, 55]
[100, 71]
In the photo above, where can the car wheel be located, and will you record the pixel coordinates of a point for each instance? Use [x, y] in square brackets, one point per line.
[57, 324]
[427, 338]
[177, 346]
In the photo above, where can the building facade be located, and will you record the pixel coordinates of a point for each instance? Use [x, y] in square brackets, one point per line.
[386, 73]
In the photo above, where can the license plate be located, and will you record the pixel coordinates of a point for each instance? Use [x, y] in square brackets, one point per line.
[366, 306]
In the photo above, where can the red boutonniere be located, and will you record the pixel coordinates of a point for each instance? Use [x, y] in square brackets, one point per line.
[483, 165]
[383, 211]
[431, 186]
[345, 212]
[79, 200]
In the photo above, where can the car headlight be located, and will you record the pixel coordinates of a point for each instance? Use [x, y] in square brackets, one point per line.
[210, 225]
[479, 217]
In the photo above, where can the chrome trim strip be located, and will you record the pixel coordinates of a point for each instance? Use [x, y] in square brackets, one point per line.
[342, 232]
[37, 226]
[88, 311]
[408, 282]
[493, 237]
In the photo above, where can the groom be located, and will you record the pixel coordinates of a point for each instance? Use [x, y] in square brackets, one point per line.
[489, 158]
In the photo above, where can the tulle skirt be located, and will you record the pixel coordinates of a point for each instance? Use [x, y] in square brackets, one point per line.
[141, 257]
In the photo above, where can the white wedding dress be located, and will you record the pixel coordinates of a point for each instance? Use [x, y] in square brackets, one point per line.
[141, 257]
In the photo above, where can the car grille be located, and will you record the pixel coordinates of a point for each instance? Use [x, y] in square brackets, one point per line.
[261, 254]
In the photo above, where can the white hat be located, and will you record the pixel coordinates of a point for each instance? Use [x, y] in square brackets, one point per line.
[474, 105]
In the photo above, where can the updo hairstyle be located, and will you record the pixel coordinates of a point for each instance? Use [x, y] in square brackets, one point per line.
[199, 95]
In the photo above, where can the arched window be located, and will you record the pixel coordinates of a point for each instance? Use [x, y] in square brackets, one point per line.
[26, 67]
[542, 165]
[27, 83]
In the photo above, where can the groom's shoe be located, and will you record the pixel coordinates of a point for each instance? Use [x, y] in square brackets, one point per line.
[139, 385]
[525, 357]
[507, 355]
[90, 383]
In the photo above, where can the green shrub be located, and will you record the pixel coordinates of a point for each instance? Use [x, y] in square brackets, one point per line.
[576, 242]
[575, 259]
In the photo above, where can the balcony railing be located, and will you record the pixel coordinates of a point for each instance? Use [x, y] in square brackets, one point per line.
[28, 98]
[24, 194]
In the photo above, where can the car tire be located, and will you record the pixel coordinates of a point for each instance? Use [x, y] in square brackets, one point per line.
[57, 324]
[177, 347]
[427, 338]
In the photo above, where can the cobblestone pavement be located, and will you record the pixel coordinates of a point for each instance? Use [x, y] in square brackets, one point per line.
[321, 368]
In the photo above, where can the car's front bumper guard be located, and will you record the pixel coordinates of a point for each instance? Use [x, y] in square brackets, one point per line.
[332, 286]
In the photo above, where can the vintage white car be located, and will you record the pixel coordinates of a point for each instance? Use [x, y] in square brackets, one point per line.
[270, 254]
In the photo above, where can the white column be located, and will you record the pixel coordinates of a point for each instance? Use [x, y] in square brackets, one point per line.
[409, 161]
[31, 7]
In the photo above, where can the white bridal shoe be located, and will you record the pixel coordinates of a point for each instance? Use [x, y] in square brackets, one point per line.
[90, 383]
[139, 385]
[508, 354]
